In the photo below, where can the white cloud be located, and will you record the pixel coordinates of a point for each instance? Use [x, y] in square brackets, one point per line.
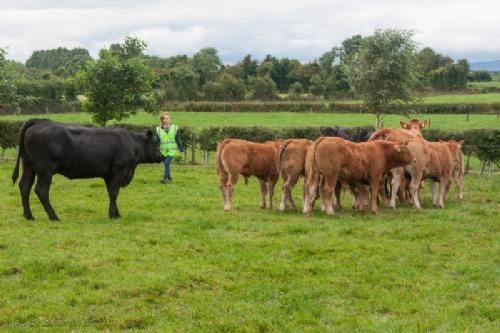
[296, 29]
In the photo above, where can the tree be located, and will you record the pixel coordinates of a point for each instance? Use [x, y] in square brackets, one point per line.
[263, 88]
[295, 91]
[225, 88]
[9, 93]
[119, 83]
[317, 87]
[384, 70]
[62, 61]
[207, 64]
[182, 82]
[480, 76]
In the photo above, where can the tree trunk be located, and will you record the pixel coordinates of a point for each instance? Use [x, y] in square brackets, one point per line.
[193, 149]
[378, 117]
[483, 165]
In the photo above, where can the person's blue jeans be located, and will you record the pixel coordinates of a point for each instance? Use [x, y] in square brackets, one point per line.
[167, 161]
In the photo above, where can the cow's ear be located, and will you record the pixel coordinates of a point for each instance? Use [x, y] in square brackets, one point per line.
[403, 124]
[461, 142]
[149, 134]
[423, 124]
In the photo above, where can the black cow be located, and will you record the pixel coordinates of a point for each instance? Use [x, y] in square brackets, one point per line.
[361, 134]
[48, 147]
[340, 132]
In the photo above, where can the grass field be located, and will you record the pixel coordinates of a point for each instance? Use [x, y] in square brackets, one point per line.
[282, 119]
[494, 84]
[464, 98]
[175, 262]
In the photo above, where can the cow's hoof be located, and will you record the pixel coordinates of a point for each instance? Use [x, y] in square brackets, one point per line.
[29, 217]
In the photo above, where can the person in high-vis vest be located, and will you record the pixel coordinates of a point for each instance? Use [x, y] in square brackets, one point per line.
[170, 144]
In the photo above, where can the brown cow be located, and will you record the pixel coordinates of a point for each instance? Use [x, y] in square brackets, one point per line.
[436, 161]
[410, 131]
[235, 157]
[291, 163]
[336, 159]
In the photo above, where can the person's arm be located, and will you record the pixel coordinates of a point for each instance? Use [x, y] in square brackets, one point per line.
[178, 140]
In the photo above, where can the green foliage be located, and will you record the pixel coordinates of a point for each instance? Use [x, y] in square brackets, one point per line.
[119, 83]
[480, 76]
[207, 64]
[225, 88]
[295, 91]
[61, 60]
[263, 88]
[450, 77]
[8, 90]
[384, 69]
[181, 83]
[316, 87]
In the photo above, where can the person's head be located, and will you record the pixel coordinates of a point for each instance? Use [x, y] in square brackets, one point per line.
[165, 119]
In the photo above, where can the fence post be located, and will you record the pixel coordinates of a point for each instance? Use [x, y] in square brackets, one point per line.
[467, 165]
[467, 115]
[193, 149]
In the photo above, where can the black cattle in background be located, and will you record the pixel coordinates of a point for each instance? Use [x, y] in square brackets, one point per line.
[355, 134]
[47, 148]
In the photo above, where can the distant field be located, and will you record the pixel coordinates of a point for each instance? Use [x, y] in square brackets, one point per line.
[465, 98]
[282, 119]
[494, 84]
[175, 262]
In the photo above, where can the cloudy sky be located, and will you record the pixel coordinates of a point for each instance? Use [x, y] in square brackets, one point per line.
[284, 28]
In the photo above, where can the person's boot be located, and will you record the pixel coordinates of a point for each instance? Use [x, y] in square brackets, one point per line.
[163, 180]
[169, 178]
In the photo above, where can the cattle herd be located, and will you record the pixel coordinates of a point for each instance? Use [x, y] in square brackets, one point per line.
[365, 163]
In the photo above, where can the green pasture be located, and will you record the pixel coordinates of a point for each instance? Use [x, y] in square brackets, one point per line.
[491, 84]
[462, 98]
[176, 262]
[281, 119]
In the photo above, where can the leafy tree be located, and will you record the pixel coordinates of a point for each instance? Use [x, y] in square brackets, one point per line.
[225, 88]
[317, 87]
[450, 77]
[62, 61]
[9, 92]
[244, 69]
[182, 81]
[384, 70]
[263, 88]
[207, 64]
[480, 76]
[119, 83]
[296, 91]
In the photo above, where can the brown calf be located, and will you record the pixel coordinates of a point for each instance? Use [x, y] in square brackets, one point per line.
[436, 161]
[336, 159]
[235, 157]
[291, 164]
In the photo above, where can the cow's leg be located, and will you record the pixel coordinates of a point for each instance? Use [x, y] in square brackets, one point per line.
[374, 187]
[25, 185]
[292, 181]
[338, 188]
[282, 207]
[457, 177]
[232, 180]
[271, 183]
[263, 192]
[222, 186]
[113, 188]
[309, 193]
[444, 188]
[434, 193]
[42, 188]
[415, 190]
[396, 182]
[327, 192]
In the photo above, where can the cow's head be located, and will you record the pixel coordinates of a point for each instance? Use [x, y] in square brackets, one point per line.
[403, 152]
[152, 148]
[413, 124]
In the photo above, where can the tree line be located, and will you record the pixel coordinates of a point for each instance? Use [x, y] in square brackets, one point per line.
[124, 79]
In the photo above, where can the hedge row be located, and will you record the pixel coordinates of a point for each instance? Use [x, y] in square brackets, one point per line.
[331, 107]
[42, 107]
[483, 143]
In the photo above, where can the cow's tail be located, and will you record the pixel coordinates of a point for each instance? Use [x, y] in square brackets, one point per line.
[28, 124]
[219, 166]
[279, 159]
